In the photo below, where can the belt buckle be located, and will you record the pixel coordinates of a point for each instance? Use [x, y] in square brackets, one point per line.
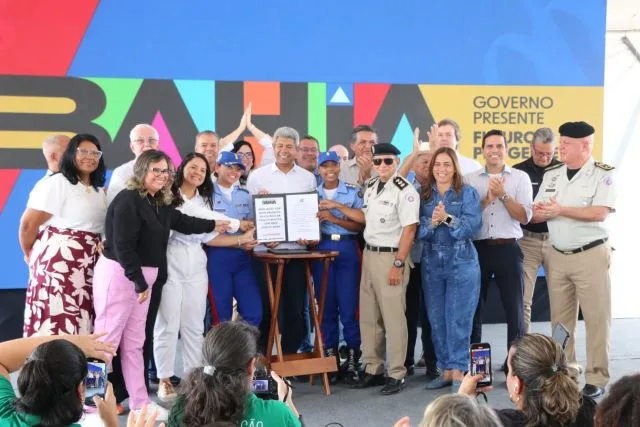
[335, 237]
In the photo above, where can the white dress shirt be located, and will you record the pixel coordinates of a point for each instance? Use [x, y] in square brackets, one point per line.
[496, 221]
[467, 164]
[119, 178]
[273, 180]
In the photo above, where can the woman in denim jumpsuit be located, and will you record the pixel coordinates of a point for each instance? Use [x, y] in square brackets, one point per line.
[450, 217]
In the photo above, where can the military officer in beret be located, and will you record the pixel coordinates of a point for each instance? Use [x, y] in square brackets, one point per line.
[390, 214]
[575, 198]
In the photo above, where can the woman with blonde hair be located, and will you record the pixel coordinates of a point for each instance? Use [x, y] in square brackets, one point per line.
[455, 410]
[544, 389]
[137, 230]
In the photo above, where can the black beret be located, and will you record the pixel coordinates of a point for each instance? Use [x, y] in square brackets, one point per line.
[385, 148]
[576, 129]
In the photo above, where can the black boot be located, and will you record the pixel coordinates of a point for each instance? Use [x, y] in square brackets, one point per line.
[350, 369]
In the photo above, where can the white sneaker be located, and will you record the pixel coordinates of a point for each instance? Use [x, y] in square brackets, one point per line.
[166, 392]
[152, 407]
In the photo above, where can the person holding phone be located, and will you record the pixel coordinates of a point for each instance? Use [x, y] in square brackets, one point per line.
[450, 217]
[542, 385]
[51, 380]
[221, 391]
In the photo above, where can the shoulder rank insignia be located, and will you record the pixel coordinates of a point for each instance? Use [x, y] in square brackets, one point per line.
[556, 166]
[604, 166]
[372, 181]
[350, 185]
[400, 182]
[242, 189]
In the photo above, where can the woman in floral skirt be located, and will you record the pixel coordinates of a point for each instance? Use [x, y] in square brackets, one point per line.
[59, 235]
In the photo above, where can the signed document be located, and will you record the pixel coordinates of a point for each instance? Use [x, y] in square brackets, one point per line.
[302, 216]
[286, 217]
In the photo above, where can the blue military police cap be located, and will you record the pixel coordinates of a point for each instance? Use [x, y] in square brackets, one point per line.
[227, 158]
[328, 156]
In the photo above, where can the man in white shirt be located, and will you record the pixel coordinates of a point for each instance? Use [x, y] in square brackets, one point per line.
[506, 198]
[446, 133]
[359, 169]
[52, 148]
[143, 137]
[284, 176]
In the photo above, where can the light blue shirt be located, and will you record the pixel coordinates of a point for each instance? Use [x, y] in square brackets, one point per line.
[238, 207]
[346, 194]
[496, 221]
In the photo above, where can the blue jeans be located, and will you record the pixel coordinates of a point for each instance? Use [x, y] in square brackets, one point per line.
[451, 285]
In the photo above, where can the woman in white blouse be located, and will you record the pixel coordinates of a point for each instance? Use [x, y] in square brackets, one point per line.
[183, 302]
[61, 255]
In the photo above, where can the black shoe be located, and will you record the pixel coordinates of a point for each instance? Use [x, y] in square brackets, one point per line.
[369, 380]
[350, 369]
[592, 391]
[392, 386]
[411, 370]
[342, 352]
[432, 371]
[334, 377]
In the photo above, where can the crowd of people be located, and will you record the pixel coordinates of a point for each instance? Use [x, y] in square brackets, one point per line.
[164, 251]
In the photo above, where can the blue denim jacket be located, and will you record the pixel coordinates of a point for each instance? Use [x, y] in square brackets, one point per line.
[467, 217]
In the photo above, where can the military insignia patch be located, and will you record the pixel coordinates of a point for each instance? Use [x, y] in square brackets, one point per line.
[603, 166]
[400, 183]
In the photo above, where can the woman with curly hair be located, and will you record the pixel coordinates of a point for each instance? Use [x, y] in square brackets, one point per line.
[137, 229]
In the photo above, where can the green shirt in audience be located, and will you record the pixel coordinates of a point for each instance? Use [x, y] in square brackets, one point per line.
[269, 413]
[9, 417]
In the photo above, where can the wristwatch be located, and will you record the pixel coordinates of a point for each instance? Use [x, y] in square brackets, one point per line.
[398, 264]
[448, 220]
[504, 197]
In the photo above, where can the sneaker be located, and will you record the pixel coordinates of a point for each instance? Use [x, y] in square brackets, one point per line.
[333, 376]
[392, 386]
[152, 407]
[166, 392]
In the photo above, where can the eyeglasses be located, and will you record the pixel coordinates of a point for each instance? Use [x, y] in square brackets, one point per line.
[89, 153]
[158, 172]
[245, 155]
[141, 141]
[387, 161]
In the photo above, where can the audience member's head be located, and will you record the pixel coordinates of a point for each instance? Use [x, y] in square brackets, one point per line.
[621, 406]
[218, 391]
[459, 410]
[51, 383]
[540, 382]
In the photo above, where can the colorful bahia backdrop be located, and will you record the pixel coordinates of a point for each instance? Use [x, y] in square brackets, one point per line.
[321, 67]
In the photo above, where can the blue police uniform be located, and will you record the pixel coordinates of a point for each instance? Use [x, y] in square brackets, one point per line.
[230, 271]
[343, 281]
[451, 273]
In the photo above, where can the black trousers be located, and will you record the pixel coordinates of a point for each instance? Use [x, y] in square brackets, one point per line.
[291, 309]
[504, 264]
[417, 315]
[115, 377]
